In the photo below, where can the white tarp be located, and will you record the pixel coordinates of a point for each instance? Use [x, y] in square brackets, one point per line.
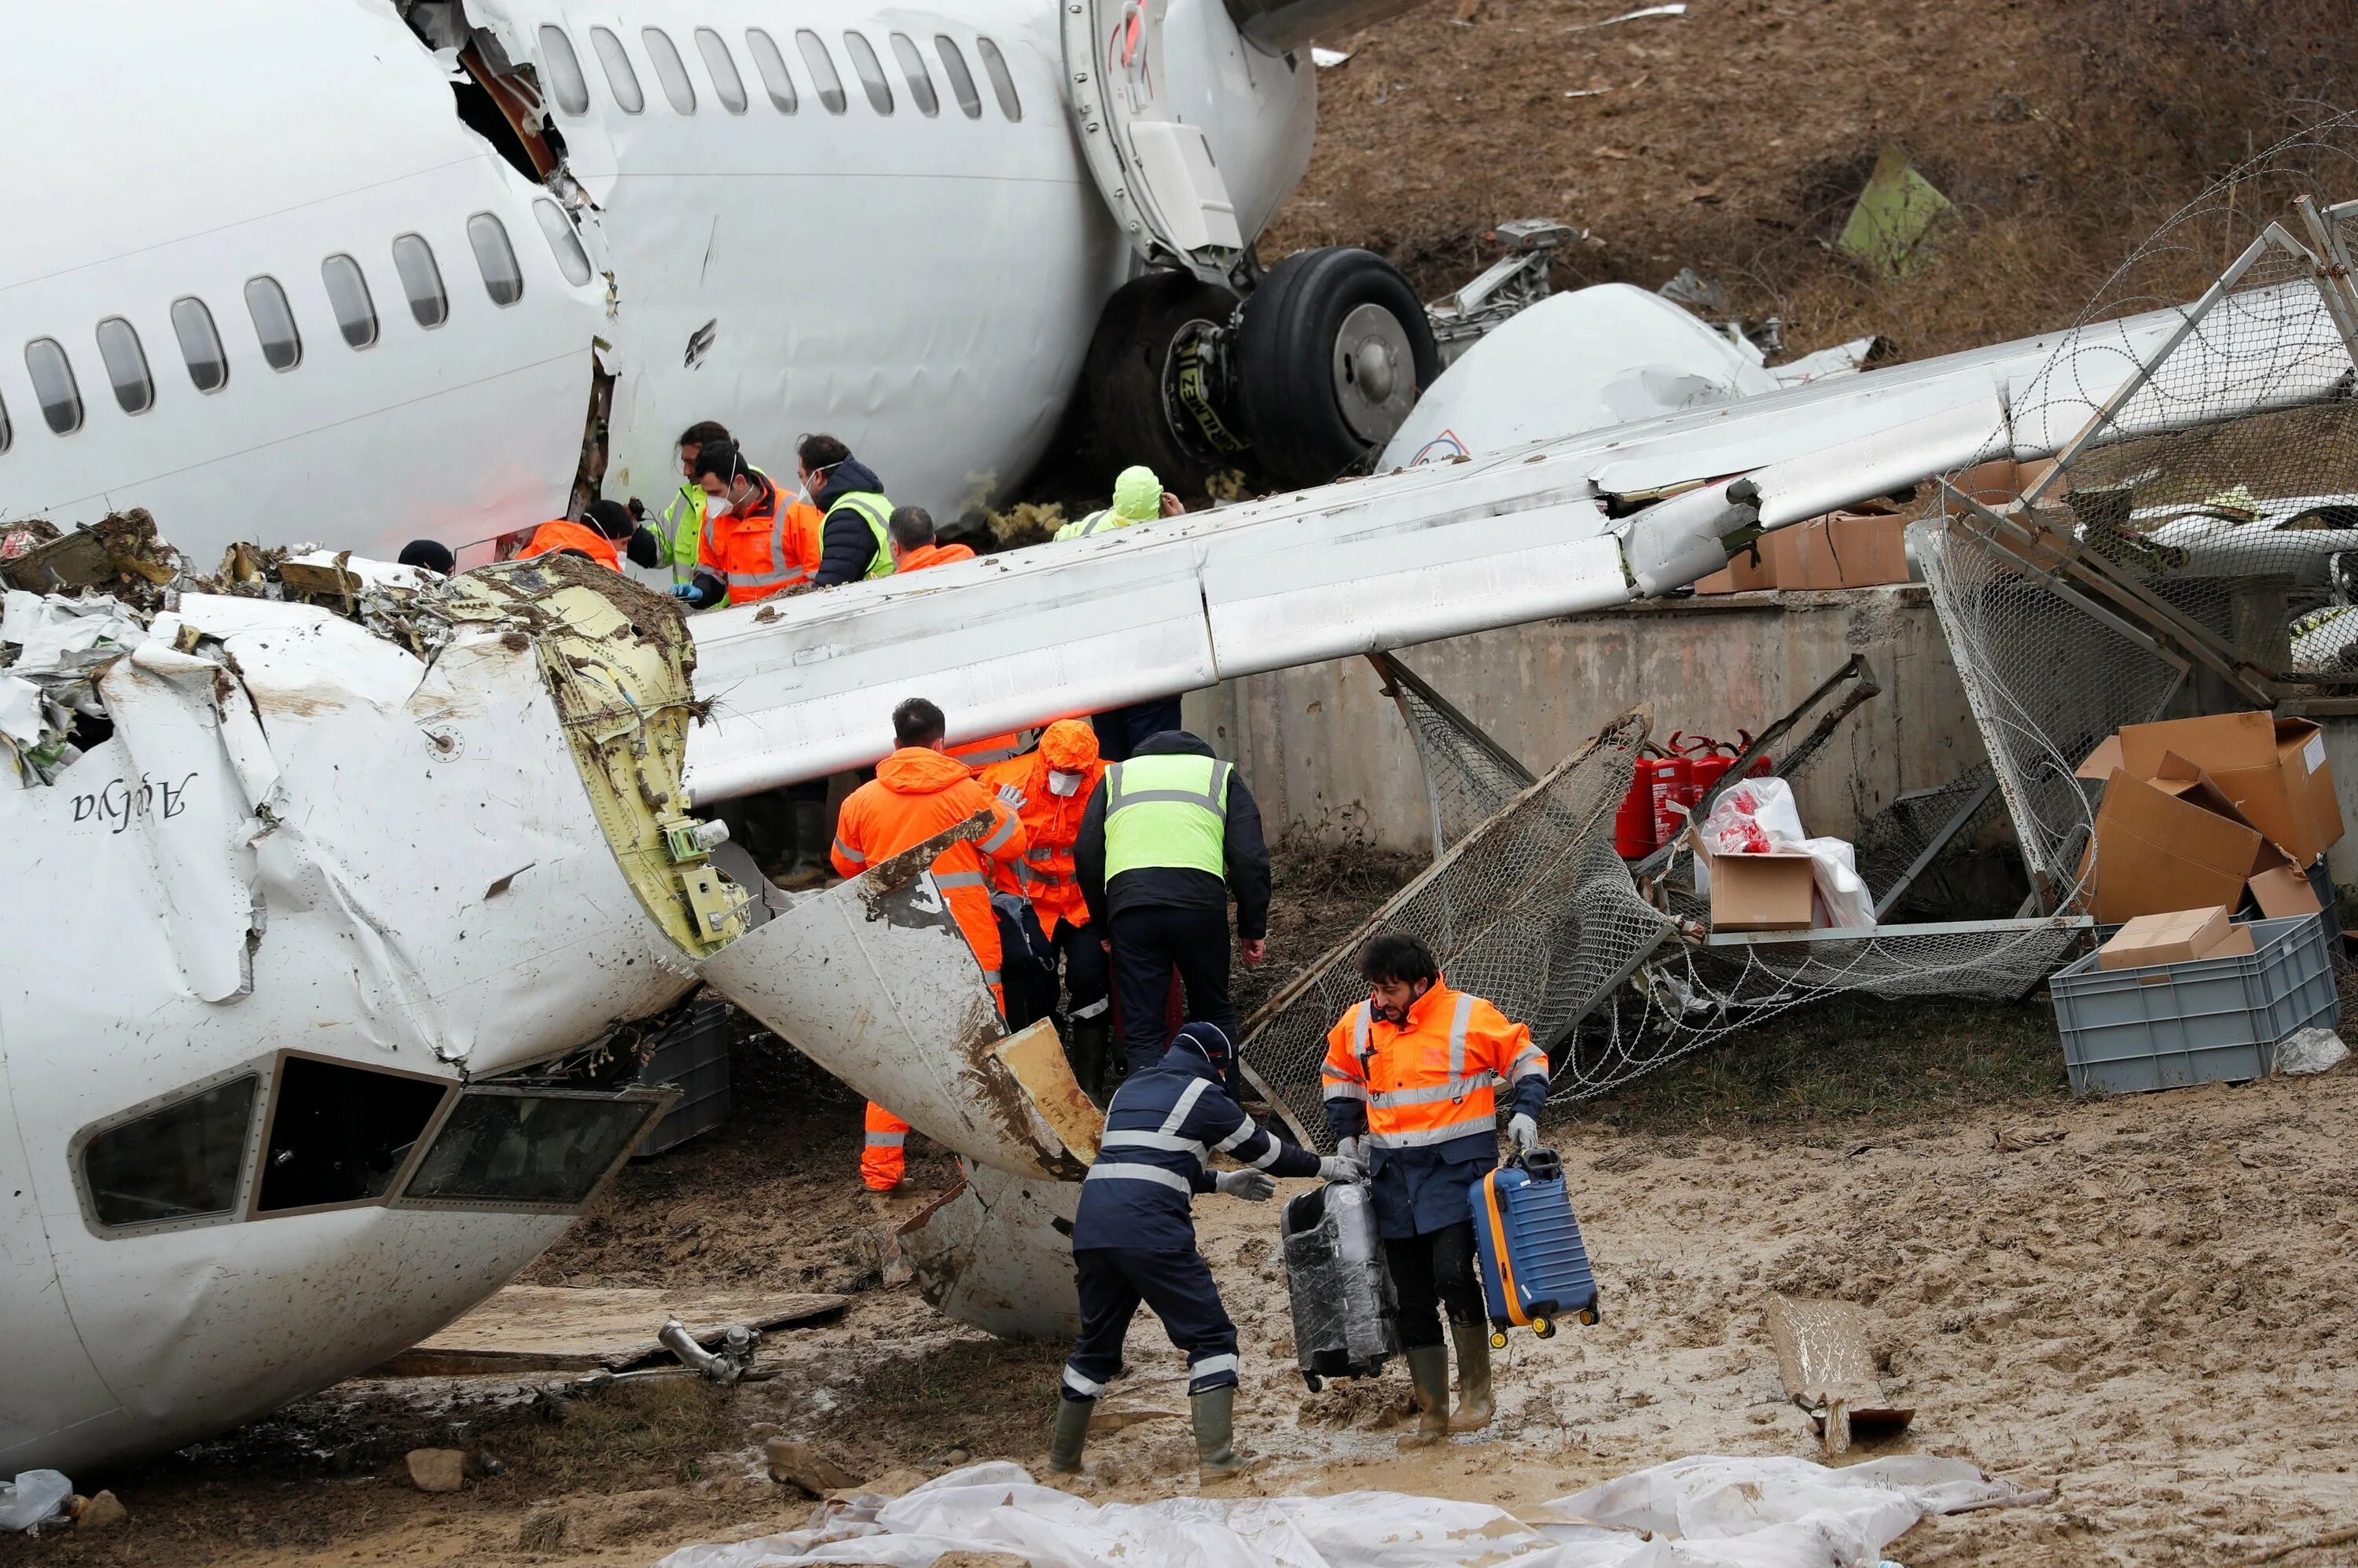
[1705, 1512]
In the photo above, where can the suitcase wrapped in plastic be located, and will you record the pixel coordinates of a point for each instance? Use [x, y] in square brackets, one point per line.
[1535, 1266]
[1345, 1316]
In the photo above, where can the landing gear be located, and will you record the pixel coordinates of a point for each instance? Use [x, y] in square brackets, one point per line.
[1153, 384]
[1331, 353]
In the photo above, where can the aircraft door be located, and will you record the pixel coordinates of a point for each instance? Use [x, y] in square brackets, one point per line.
[1155, 171]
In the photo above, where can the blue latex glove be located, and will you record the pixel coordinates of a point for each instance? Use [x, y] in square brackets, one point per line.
[685, 590]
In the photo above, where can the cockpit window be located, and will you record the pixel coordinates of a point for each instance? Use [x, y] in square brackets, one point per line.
[572, 259]
[564, 67]
[727, 85]
[126, 365]
[670, 69]
[496, 258]
[348, 294]
[961, 79]
[620, 75]
[510, 1147]
[180, 1160]
[274, 323]
[871, 72]
[912, 66]
[53, 383]
[339, 1134]
[1001, 81]
[771, 61]
[421, 279]
[200, 345]
[824, 80]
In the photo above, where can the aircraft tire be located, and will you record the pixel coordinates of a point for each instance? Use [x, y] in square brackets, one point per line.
[1333, 349]
[1128, 417]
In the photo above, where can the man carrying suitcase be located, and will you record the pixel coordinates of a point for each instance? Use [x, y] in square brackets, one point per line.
[1411, 1082]
[1134, 1236]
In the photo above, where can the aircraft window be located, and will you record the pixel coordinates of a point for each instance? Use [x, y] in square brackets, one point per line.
[503, 1146]
[912, 66]
[421, 279]
[347, 292]
[565, 77]
[274, 323]
[572, 259]
[174, 1163]
[871, 73]
[824, 80]
[126, 364]
[53, 383]
[727, 84]
[670, 69]
[339, 1134]
[619, 74]
[961, 79]
[200, 345]
[772, 64]
[1001, 83]
[496, 258]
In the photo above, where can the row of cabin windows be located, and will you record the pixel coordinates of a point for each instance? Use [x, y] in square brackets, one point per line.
[349, 298]
[571, 87]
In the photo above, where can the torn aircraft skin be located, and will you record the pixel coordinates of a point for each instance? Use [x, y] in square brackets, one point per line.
[305, 901]
[996, 1251]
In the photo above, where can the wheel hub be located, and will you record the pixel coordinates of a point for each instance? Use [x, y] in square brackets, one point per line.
[1375, 373]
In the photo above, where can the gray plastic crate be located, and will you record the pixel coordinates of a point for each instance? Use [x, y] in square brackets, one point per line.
[2213, 1021]
[694, 1054]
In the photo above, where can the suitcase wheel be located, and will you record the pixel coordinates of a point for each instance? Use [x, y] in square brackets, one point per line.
[1314, 1380]
[1498, 1339]
[1545, 1327]
[1590, 1317]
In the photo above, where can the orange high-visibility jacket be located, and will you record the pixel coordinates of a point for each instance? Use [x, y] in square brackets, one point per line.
[1434, 1080]
[925, 556]
[1053, 821]
[917, 793]
[563, 534]
[768, 547]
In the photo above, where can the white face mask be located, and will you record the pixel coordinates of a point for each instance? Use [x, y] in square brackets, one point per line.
[1062, 783]
[716, 506]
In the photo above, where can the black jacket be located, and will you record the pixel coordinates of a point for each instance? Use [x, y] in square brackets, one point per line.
[847, 544]
[1184, 887]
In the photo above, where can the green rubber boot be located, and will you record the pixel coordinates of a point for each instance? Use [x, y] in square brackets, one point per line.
[1428, 1369]
[1214, 1413]
[1071, 1433]
[1475, 1404]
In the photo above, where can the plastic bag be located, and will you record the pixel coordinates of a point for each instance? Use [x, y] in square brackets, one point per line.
[1758, 816]
[35, 1498]
[1843, 899]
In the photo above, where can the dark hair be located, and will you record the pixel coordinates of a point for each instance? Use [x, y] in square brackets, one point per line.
[917, 722]
[818, 452]
[611, 518]
[911, 526]
[432, 554]
[1397, 959]
[719, 459]
[701, 432]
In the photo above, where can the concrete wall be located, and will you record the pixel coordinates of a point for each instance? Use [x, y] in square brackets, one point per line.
[1327, 753]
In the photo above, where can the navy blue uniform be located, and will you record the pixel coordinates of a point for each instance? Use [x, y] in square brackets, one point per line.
[1134, 1234]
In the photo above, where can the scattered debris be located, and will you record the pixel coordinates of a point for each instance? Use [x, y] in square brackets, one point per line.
[33, 1499]
[437, 1469]
[2316, 1049]
[1842, 359]
[553, 1328]
[1894, 213]
[102, 1512]
[1698, 294]
[1637, 16]
[1328, 60]
[1828, 1368]
[797, 1463]
[2019, 1139]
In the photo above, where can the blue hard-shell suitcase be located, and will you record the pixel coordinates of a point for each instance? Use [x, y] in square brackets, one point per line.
[1534, 1268]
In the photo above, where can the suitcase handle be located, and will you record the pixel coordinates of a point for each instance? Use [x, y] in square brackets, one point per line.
[1540, 1164]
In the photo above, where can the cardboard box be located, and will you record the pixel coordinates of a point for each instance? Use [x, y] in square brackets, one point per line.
[2179, 936]
[1867, 547]
[1757, 892]
[2166, 844]
[2273, 769]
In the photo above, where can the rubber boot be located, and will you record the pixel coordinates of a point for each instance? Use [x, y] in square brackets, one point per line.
[1071, 1433]
[1474, 1405]
[1428, 1369]
[810, 863]
[1091, 1037]
[1214, 1413]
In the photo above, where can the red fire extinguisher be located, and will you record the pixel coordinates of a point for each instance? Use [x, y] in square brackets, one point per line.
[1672, 776]
[1633, 824]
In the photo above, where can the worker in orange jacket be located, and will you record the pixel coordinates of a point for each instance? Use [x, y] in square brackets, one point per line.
[917, 792]
[1411, 1085]
[911, 536]
[1050, 787]
[606, 528]
[755, 543]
